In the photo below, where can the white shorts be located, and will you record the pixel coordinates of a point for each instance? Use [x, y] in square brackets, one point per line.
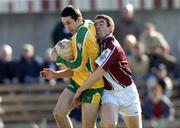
[127, 100]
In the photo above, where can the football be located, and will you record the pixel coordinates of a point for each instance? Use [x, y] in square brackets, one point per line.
[64, 49]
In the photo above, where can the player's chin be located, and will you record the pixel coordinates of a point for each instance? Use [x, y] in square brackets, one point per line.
[98, 33]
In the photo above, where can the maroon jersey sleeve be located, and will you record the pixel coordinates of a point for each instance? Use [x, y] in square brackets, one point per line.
[108, 56]
[113, 60]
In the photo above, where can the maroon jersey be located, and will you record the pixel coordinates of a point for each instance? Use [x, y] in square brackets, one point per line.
[114, 61]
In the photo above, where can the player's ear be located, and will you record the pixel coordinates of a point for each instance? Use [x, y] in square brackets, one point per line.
[79, 19]
[111, 29]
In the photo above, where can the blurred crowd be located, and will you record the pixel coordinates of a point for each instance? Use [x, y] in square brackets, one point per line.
[149, 54]
[153, 66]
[26, 69]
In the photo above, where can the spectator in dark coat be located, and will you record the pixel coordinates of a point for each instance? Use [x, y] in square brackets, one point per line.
[29, 65]
[8, 66]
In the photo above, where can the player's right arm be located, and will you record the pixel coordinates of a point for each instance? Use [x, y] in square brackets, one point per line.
[48, 73]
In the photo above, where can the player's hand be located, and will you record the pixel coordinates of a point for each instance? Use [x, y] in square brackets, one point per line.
[76, 99]
[47, 73]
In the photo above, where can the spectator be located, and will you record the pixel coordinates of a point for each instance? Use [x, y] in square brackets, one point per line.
[178, 49]
[160, 56]
[59, 33]
[153, 40]
[158, 107]
[29, 65]
[128, 44]
[8, 68]
[176, 72]
[164, 79]
[160, 76]
[139, 63]
[127, 24]
[2, 125]
[1, 72]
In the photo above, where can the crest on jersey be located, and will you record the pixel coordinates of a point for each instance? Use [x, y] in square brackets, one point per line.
[104, 55]
[79, 45]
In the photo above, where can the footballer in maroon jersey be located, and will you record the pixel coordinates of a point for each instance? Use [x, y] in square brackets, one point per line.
[114, 62]
[120, 94]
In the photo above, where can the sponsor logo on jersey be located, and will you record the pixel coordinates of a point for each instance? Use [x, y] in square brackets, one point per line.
[103, 56]
[79, 45]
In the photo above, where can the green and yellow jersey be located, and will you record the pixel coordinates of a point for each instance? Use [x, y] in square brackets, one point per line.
[85, 50]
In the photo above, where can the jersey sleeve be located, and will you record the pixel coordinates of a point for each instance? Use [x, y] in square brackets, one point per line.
[108, 56]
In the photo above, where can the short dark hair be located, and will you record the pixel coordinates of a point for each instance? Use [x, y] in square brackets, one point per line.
[107, 18]
[71, 11]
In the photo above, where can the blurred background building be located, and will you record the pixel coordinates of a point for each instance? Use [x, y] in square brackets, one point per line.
[32, 21]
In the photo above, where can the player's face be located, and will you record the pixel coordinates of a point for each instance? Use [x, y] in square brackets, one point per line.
[70, 24]
[147, 31]
[101, 28]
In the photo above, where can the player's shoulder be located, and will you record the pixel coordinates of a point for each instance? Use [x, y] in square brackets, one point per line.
[83, 30]
[87, 21]
[111, 42]
[109, 39]
[85, 25]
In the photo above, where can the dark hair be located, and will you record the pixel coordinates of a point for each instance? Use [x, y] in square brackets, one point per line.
[108, 20]
[161, 66]
[102, 16]
[71, 11]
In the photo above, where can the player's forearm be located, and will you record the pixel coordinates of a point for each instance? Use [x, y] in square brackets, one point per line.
[63, 74]
[95, 76]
